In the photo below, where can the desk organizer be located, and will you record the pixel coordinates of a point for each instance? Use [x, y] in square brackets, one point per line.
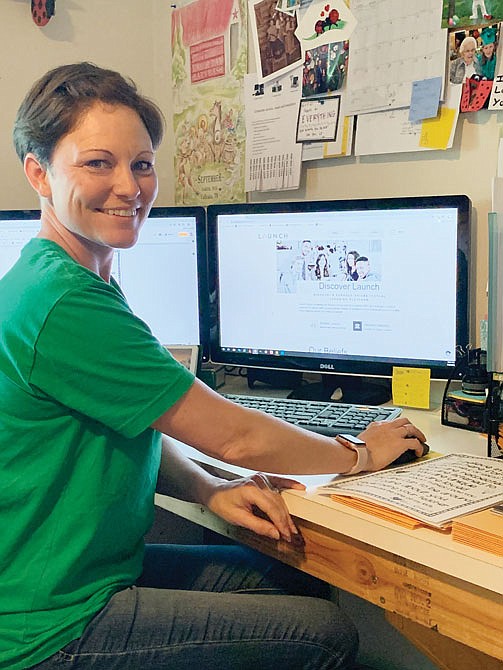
[495, 416]
[465, 399]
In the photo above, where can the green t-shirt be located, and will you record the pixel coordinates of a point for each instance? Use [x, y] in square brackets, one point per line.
[81, 381]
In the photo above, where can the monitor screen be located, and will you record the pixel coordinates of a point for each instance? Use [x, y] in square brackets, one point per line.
[163, 276]
[348, 286]
[17, 227]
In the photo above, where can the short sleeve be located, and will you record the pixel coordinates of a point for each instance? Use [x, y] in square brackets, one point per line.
[94, 356]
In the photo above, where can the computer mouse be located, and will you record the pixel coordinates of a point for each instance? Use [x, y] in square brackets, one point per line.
[410, 455]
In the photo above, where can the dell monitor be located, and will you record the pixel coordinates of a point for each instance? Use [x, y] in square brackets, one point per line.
[163, 276]
[343, 287]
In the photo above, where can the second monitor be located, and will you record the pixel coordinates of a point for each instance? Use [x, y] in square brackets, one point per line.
[340, 287]
[163, 276]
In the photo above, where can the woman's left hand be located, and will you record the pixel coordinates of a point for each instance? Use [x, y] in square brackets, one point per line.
[238, 501]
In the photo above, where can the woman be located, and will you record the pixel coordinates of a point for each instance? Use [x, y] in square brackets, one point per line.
[463, 67]
[321, 268]
[86, 393]
[351, 258]
[485, 60]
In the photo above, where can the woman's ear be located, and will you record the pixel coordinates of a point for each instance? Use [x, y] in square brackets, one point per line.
[36, 173]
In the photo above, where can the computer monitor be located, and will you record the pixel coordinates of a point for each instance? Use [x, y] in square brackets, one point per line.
[17, 227]
[163, 276]
[350, 287]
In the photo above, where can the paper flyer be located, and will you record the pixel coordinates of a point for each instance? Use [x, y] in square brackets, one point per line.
[273, 157]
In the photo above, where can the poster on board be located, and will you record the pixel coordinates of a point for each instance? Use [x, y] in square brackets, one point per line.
[209, 59]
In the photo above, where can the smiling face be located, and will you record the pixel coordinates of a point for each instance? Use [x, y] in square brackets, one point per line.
[488, 50]
[468, 54]
[362, 268]
[306, 247]
[101, 183]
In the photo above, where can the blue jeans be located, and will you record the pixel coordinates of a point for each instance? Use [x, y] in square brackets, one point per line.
[214, 607]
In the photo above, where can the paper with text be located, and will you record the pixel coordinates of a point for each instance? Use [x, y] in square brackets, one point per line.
[392, 132]
[273, 158]
[341, 147]
[394, 43]
[434, 491]
[411, 387]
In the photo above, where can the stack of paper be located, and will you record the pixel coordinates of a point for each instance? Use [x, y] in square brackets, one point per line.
[435, 491]
[385, 513]
[482, 530]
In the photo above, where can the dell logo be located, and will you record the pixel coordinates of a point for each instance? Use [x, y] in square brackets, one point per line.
[326, 366]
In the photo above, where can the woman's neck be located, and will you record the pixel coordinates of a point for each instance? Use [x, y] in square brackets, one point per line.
[92, 256]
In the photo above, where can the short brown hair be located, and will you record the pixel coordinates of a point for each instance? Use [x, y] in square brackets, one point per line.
[54, 104]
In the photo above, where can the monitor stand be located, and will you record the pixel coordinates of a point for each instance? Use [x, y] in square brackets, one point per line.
[278, 379]
[342, 388]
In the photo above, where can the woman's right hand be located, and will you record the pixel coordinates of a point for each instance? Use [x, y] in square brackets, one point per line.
[387, 440]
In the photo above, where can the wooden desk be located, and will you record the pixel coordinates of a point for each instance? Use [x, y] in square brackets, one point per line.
[445, 597]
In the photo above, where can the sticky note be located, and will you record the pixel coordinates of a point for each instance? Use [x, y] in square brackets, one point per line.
[411, 387]
[435, 133]
[425, 99]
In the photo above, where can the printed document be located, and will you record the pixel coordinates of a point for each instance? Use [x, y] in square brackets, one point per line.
[434, 491]
[395, 43]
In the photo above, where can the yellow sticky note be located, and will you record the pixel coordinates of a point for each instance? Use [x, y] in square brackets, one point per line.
[435, 133]
[411, 387]
[344, 144]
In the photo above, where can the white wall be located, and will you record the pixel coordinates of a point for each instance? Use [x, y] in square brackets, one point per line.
[133, 37]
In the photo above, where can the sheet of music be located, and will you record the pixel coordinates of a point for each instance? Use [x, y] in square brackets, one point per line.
[434, 491]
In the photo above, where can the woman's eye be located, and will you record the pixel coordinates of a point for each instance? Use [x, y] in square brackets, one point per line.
[98, 164]
[143, 166]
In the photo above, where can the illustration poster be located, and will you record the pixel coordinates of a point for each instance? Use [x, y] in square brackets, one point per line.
[209, 61]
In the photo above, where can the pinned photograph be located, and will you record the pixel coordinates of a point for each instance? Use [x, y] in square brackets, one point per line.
[315, 72]
[288, 6]
[277, 50]
[473, 64]
[325, 69]
[458, 14]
